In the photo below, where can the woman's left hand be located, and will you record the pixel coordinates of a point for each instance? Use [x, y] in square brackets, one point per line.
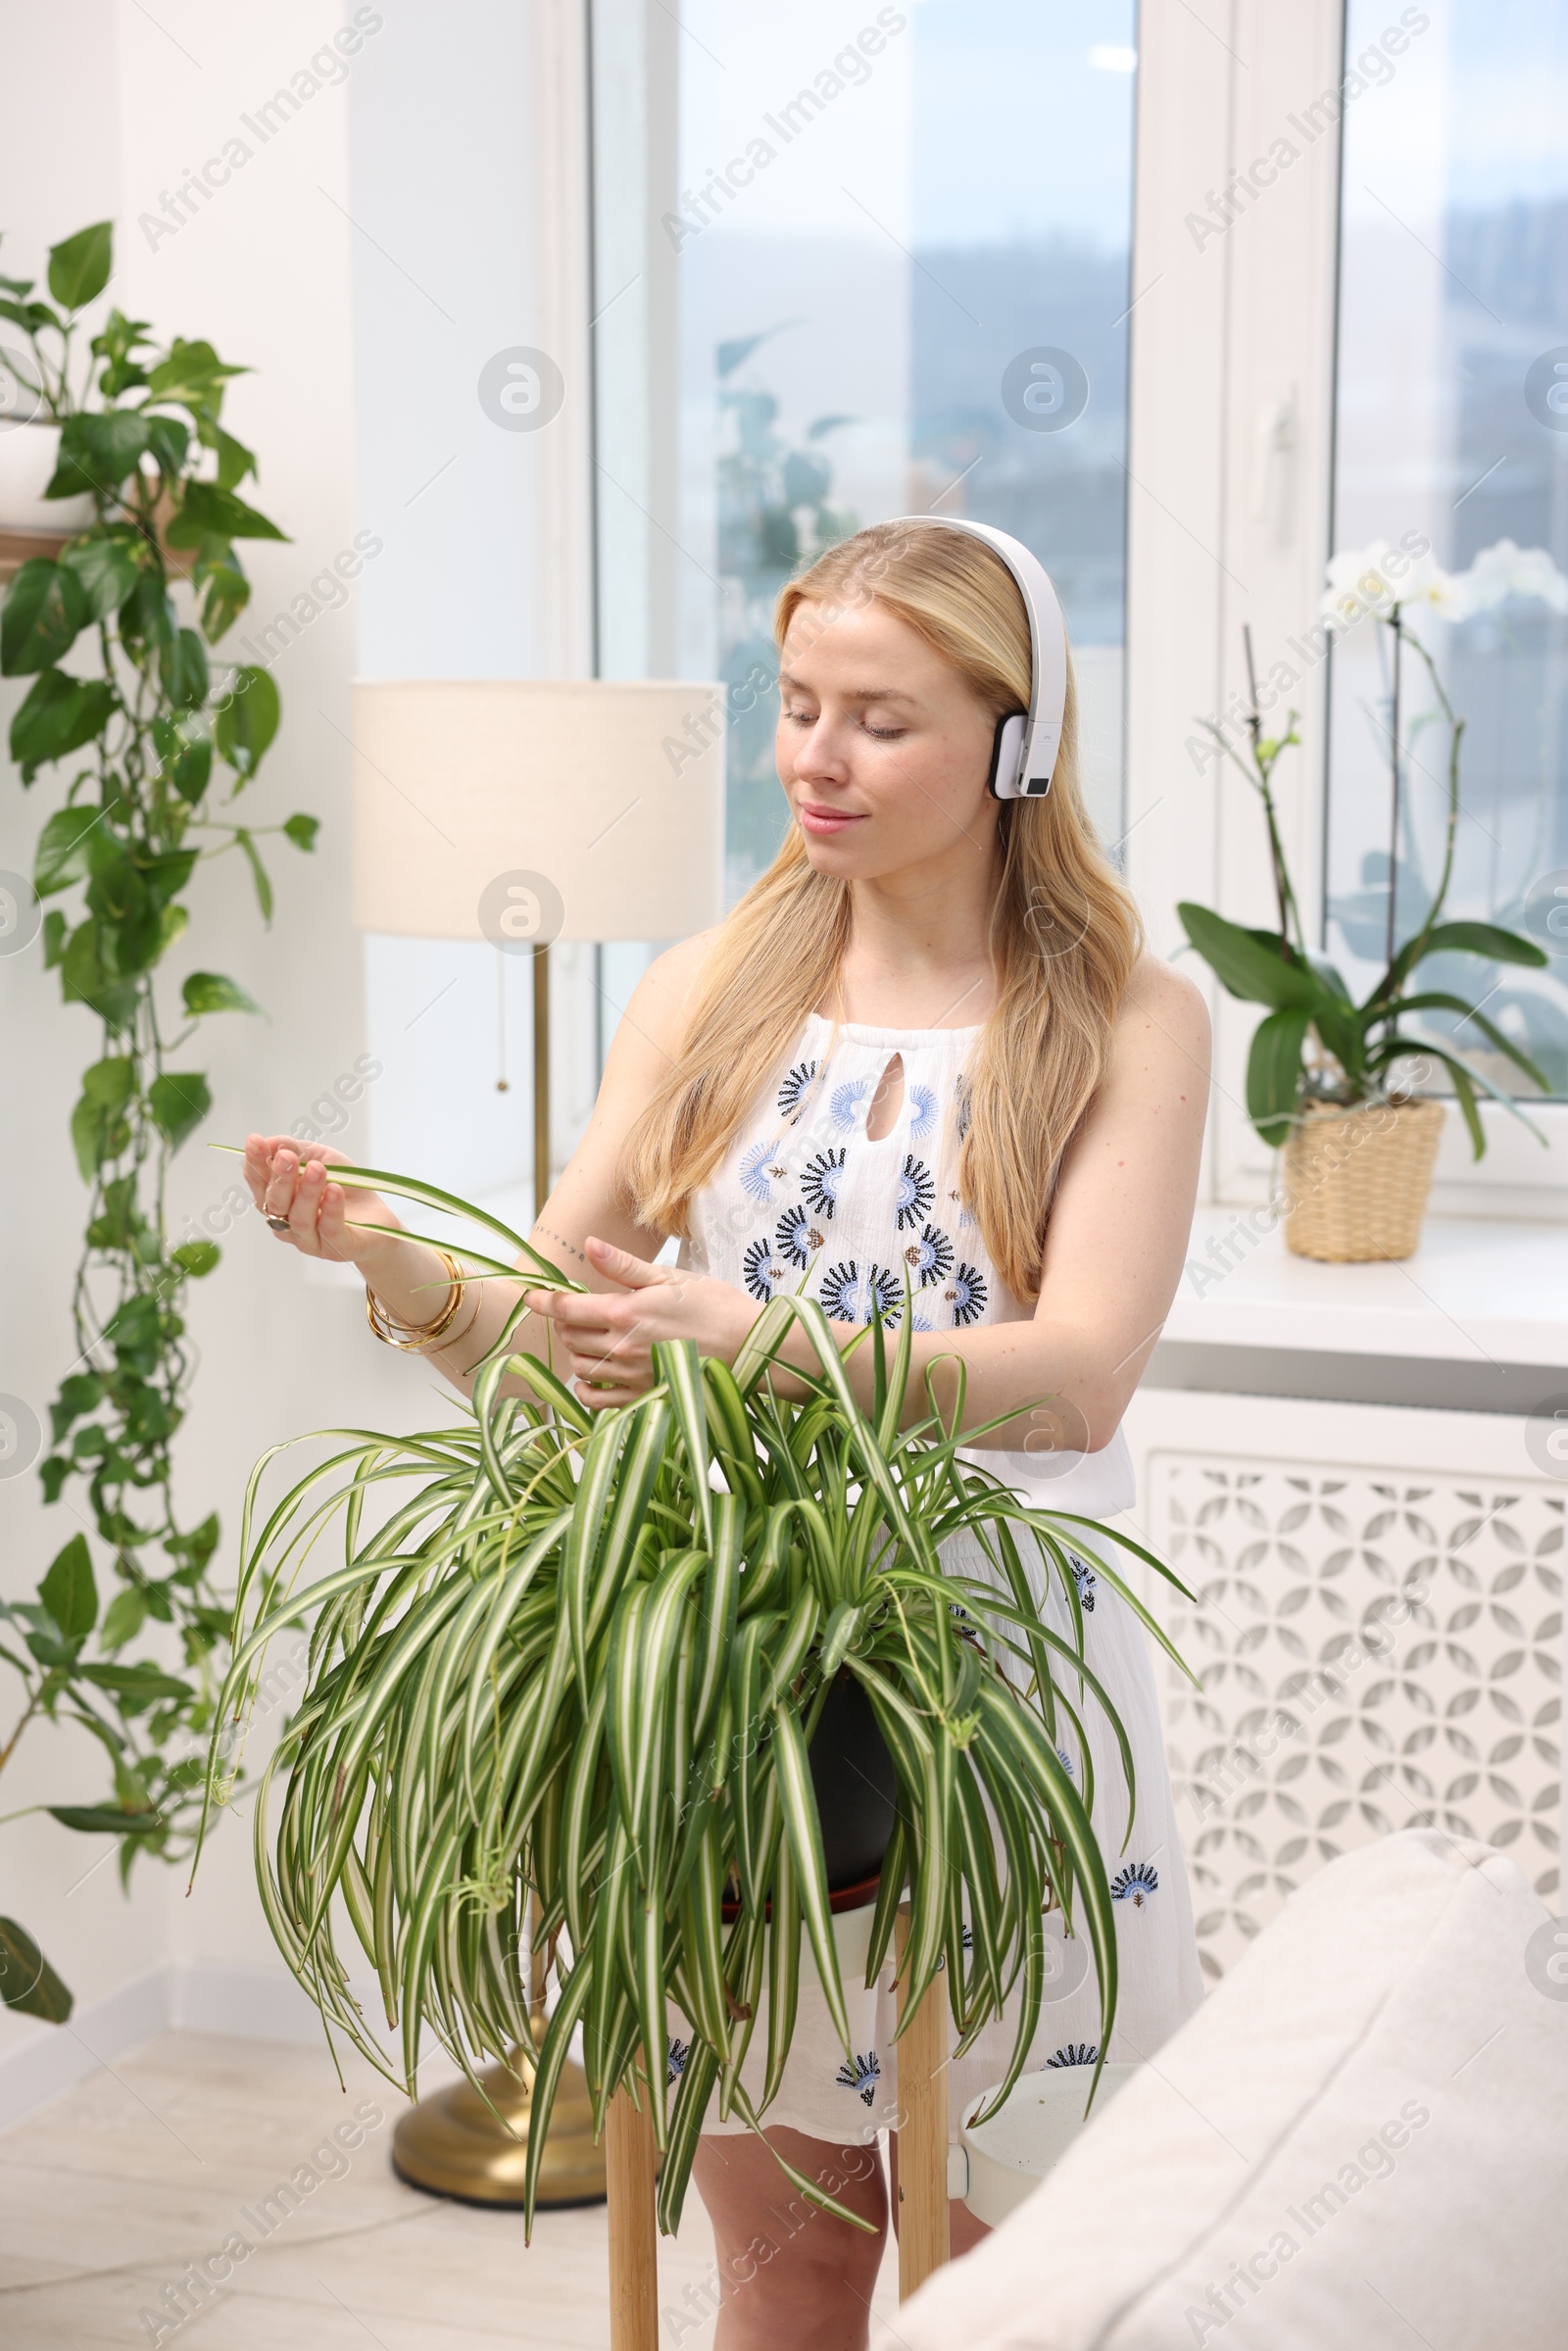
[608, 1335]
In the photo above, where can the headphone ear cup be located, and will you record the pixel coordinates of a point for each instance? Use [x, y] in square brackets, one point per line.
[1007, 751]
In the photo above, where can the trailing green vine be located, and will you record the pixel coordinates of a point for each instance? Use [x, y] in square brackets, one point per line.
[154, 739]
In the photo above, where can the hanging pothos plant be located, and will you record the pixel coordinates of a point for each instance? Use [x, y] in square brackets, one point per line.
[580, 1661]
[156, 751]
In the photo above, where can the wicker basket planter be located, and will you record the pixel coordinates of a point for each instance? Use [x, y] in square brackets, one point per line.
[1357, 1181]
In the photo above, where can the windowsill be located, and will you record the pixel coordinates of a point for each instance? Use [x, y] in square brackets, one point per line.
[1477, 1320]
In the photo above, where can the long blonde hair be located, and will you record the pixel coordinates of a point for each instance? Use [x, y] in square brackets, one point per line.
[1065, 934]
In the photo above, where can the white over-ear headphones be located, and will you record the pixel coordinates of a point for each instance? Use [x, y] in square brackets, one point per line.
[1023, 753]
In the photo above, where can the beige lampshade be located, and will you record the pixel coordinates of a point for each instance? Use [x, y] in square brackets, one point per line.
[524, 810]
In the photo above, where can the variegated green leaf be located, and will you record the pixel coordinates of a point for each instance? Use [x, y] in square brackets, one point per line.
[678, 1366]
[783, 1973]
[720, 1604]
[798, 1799]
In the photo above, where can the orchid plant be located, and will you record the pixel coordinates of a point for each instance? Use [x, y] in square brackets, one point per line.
[1317, 1044]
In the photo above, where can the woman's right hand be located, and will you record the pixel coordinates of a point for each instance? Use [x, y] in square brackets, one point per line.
[288, 1178]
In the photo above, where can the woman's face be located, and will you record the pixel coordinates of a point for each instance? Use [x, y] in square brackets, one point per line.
[883, 747]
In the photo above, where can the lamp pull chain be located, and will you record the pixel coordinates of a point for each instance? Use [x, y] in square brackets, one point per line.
[502, 1081]
[541, 1078]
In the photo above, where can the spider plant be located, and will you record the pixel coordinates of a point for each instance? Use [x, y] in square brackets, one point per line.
[579, 1659]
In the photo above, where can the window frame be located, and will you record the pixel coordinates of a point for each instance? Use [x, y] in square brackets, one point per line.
[1231, 450]
[1223, 527]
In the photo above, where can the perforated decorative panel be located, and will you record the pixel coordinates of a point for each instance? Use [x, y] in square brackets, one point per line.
[1376, 1651]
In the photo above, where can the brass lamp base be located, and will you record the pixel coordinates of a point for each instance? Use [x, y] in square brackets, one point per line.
[452, 2145]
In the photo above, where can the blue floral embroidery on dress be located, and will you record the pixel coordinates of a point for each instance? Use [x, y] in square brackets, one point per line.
[1083, 1575]
[930, 1258]
[1067, 1764]
[965, 1293]
[849, 1296]
[844, 1102]
[760, 1169]
[1135, 1883]
[861, 2076]
[798, 1240]
[915, 1194]
[821, 1180]
[761, 1269]
[1075, 2052]
[923, 1105]
[675, 2059]
[794, 1086]
[964, 1219]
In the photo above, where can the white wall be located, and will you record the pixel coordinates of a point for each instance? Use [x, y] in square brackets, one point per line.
[470, 199]
[366, 261]
[59, 169]
[101, 108]
[1224, 329]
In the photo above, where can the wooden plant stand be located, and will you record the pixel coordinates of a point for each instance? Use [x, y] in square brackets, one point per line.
[924, 2237]
[924, 2242]
[630, 2169]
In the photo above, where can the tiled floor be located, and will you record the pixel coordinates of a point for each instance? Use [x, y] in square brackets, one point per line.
[108, 2193]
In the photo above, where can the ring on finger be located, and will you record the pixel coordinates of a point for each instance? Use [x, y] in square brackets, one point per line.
[276, 1224]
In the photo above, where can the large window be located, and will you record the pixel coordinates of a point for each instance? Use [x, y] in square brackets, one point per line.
[1452, 425]
[896, 242]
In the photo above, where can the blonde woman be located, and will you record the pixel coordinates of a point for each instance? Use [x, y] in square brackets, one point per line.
[927, 1043]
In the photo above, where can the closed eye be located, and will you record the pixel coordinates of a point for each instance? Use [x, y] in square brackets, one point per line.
[878, 734]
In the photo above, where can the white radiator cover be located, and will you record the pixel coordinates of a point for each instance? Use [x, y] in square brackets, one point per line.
[1377, 1633]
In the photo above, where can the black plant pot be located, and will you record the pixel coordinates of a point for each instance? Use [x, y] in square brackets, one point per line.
[852, 1775]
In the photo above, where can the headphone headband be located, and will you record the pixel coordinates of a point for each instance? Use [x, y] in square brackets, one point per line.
[1024, 754]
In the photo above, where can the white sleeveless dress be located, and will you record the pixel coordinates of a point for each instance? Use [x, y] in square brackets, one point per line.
[804, 1198]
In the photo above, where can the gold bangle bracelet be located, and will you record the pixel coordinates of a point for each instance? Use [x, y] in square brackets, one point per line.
[453, 1336]
[420, 1344]
[418, 1339]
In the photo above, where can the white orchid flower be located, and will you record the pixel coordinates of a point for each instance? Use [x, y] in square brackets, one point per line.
[1504, 569]
[1427, 585]
[1388, 581]
[1360, 581]
[1358, 584]
[1379, 580]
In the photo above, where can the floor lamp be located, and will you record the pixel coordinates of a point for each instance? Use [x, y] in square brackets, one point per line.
[523, 811]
